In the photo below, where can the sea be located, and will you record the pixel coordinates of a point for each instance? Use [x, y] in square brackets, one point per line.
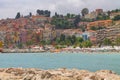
[47, 60]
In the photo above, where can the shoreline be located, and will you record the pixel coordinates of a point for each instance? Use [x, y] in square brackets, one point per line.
[83, 50]
[56, 74]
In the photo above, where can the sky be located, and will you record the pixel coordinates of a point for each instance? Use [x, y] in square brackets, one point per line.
[9, 8]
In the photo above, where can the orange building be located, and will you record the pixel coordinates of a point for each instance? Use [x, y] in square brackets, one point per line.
[101, 23]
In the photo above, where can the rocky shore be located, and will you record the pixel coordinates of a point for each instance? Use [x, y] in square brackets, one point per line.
[58, 74]
[23, 51]
[66, 50]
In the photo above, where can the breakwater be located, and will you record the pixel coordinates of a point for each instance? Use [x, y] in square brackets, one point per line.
[58, 74]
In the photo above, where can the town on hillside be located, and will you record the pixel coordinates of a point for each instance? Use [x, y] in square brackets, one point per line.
[87, 29]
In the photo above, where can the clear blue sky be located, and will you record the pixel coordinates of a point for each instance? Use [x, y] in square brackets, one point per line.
[9, 8]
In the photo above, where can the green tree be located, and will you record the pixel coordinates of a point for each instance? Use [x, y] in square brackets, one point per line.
[76, 21]
[47, 13]
[86, 44]
[68, 42]
[48, 42]
[73, 39]
[62, 37]
[30, 42]
[116, 18]
[68, 15]
[18, 15]
[42, 43]
[57, 41]
[30, 14]
[20, 45]
[40, 12]
[102, 17]
[117, 41]
[80, 45]
[107, 42]
[97, 28]
[79, 39]
[62, 23]
[62, 43]
[93, 28]
[84, 11]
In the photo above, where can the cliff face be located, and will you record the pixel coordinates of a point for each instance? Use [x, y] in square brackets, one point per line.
[59, 74]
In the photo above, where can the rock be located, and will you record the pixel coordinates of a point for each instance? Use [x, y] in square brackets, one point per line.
[46, 74]
[60, 74]
[15, 71]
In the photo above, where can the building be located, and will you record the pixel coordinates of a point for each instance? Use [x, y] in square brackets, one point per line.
[85, 36]
[90, 35]
[94, 14]
[99, 11]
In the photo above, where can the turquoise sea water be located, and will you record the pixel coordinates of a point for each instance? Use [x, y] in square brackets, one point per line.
[90, 62]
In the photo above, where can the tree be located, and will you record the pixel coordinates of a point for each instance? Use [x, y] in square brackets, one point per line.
[30, 42]
[109, 12]
[40, 12]
[20, 46]
[116, 18]
[80, 45]
[44, 13]
[79, 39]
[30, 14]
[56, 15]
[77, 20]
[61, 23]
[107, 42]
[73, 39]
[72, 15]
[47, 13]
[62, 37]
[84, 11]
[117, 41]
[48, 42]
[116, 10]
[42, 43]
[68, 15]
[57, 41]
[102, 17]
[68, 42]
[86, 44]
[18, 15]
